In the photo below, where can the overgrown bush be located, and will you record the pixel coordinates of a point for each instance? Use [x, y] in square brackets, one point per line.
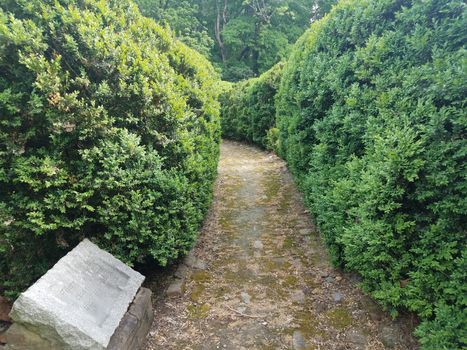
[248, 111]
[372, 120]
[109, 129]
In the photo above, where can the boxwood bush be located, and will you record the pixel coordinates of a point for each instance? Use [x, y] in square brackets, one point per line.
[248, 111]
[372, 121]
[371, 118]
[109, 129]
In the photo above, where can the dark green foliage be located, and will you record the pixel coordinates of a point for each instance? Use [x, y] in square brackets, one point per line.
[258, 34]
[244, 38]
[372, 120]
[187, 18]
[109, 129]
[248, 111]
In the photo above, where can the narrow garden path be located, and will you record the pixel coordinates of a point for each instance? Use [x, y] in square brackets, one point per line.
[259, 276]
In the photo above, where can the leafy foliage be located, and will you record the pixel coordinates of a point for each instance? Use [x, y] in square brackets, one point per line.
[242, 37]
[186, 18]
[371, 113]
[371, 119]
[108, 131]
[248, 111]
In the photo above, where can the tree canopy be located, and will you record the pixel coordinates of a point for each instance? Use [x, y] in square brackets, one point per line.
[243, 38]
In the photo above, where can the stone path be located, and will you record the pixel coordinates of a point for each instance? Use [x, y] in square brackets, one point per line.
[259, 277]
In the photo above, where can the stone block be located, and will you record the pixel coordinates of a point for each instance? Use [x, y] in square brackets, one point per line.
[79, 303]
[175, 289]
[18, 337]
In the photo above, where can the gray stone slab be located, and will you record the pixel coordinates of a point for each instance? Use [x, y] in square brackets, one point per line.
[80, 302]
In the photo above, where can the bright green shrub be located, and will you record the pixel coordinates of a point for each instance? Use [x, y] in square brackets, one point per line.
[372, 121]
[109, 129]
[248, 111]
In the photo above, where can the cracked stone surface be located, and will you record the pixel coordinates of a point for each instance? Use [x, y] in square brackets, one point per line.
[282, 295]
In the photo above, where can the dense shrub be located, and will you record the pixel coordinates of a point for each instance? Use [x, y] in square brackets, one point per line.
[109, 129]
[371, 118]
[248, 111]
[372, 121]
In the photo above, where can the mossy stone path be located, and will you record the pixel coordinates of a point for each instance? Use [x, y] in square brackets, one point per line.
[265, 281]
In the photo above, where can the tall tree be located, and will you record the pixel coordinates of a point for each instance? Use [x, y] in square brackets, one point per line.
[221, 21]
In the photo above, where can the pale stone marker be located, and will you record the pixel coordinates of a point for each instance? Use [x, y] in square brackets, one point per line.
[80, 302]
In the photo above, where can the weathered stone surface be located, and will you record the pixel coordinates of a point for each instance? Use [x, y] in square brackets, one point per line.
[19, 337]
[298, 341]
[192, 261]
[245, 297]
[132, 331]
[337, 297]
[175, 288]
[357, 339]
[298, 297]
[79, 303]
[130, 334]
[182, 271]
[389, 336]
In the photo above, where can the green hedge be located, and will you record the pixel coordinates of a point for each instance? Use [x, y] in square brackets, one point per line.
[248, 111]
[372, 119]
[109, 129]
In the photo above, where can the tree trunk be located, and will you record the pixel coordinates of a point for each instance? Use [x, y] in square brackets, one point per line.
[218, 27]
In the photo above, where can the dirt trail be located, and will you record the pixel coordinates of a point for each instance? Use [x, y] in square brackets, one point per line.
[264, 280]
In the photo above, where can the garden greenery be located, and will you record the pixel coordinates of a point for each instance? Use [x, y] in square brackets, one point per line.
[109, 129]
[371, 118]
[248, 111]
[242, 38]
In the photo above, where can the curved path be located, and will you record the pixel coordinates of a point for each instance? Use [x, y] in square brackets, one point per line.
[260, 277]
